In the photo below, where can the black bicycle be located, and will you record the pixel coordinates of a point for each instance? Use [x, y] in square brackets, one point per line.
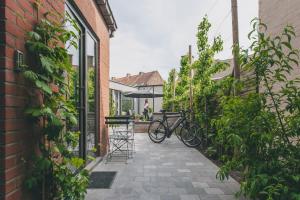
[189, 133]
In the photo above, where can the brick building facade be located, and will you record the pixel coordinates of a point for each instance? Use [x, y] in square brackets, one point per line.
[17, 17]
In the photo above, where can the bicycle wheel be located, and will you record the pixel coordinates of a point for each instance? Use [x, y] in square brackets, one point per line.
[191, 136]
[157, 131]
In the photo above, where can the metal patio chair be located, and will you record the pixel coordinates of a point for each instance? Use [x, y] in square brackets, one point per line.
[121, 137]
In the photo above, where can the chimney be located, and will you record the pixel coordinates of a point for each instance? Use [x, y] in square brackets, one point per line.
[127, 75]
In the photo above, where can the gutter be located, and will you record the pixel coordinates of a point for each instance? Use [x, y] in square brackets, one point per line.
[107, 15]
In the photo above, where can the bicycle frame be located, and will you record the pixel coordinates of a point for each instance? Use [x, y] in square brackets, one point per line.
[177, 123]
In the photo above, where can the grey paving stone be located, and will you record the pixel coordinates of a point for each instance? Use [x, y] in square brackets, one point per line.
[150, 197]
[168, 164]
[227, 197]
[189, 197]
[150, 167]
[178, 191]
[142, 178]
[213, 191]
[113, 198]
[194, 164]
[200, 184]
[184, 170]
[169, 197]
[164, 174]
[210, 197]
[164, 171]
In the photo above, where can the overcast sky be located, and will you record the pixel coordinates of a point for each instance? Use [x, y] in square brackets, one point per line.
[154, 34]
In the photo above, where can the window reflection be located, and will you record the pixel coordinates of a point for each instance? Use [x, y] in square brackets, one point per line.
[73, 80]
[82, 85]
[91, 94]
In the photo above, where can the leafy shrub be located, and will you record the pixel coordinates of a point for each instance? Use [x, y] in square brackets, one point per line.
[257, 134]
[263, 129]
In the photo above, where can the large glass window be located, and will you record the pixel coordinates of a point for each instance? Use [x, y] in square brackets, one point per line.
[91, 93]
[83, 86]
[127, 105]
[74, 80]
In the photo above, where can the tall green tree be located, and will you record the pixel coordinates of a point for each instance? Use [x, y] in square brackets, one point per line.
[169, 91]
[205, 66]
[182, 89]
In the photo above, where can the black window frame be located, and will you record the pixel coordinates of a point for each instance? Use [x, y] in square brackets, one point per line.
[83, 111]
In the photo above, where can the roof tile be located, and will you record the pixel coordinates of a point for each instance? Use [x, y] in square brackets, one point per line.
[142, 79]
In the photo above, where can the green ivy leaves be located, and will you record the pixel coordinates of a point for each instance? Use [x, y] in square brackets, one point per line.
[56, 168]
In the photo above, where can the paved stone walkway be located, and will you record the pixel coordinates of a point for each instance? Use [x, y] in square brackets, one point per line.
[167, 171]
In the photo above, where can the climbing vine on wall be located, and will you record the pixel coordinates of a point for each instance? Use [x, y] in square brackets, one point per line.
[54, 172]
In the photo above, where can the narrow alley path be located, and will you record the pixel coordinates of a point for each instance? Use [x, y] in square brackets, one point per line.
[167, 171]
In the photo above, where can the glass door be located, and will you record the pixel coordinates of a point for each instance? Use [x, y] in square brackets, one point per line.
[83, 86]
[91, 74]
[74, 82]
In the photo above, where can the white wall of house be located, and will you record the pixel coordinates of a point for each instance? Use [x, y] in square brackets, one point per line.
[117, 90]
[120, 87]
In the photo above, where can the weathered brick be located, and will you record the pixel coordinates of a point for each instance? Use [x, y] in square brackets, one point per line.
[17, 136]
[10, 16]
[13, 5]
[14, 125]
[16, 194]
[11, 76]
[10, 186]
[20, 45]
[27, 6]
[30, 18]
[15, 30]
[11, 101]
[23, 24]
[12, 149]
[10, 162]
[10, 40]
[13, 89]
[8, 52]
[13, 172]
[6, 63]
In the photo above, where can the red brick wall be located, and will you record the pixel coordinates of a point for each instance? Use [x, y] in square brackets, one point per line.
[89, 9]
[16, 18]
[2, 38]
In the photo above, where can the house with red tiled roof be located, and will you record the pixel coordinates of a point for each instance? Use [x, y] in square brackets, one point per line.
[144, 81]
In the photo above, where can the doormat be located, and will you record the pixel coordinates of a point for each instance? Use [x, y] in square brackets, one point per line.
[102, 180]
